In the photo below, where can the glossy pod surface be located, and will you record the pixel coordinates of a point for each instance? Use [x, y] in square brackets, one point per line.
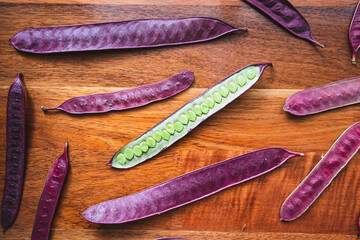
[186, 118]
[50, 196]
[354, 33]
[121, 35]
[189, 187]
[129, 98]
[15, 153]
[285, 14]
[323, 98]
[345, 147]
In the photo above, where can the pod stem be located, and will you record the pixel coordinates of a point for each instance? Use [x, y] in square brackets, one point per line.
[353, 60]
[317, 43]
[46, 109]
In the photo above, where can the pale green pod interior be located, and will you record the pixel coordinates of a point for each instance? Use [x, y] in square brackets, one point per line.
[193, 112]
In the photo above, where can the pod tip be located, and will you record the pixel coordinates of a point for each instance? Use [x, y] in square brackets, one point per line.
[301, 154]
[353, 60]
[42, 108]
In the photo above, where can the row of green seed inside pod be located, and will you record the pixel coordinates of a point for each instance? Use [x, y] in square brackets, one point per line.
[177, 125]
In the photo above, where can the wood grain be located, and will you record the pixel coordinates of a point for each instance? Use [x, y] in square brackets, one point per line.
[253, 121]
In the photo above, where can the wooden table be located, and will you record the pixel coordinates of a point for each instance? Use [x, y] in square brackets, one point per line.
[253, 121]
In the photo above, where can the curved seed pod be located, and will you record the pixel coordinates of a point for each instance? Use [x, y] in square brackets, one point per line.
[15, 153]
[129, 98]
[186, 118]
[189, 187]
[322, 174]
[325, 97]
[50, 196]
[358, 235]
[121, 35]
[285, 14]
[354, 33]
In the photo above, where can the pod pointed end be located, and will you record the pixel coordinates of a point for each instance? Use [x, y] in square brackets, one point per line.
[316, 42]
[301, 154]
[353, 60]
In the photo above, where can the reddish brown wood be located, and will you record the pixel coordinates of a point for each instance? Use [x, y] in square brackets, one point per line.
[254, 121]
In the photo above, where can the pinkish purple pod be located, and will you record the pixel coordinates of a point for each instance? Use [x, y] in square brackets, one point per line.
[189, 187]
[354, 33]
[285, 14]
[345, 147]
[318, 99]
[121, 35]
[129, 98]
[15, 153]
[50, 196]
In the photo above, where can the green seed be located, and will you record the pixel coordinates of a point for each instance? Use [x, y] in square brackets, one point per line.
[210, 102]
[137, 151]
[197, 110]
[204, 108]
[144, 147]
[121, 158]
[191, 115]
[251, 73]
[217, 97]
[233, 87]
[224, 91]
[157, 136]
[241, 80]
[178, 126]
[184, 119]
[170, 128]
[128, 154]
[150, 142]
[165, 135]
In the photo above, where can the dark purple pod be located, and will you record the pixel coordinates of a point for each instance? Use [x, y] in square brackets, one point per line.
[50, 196]
[326, 97]
[285, 14]
[121, 35]
[129, 98]
[340, 153]
[15, 153]
[354, 33]
[188, 188]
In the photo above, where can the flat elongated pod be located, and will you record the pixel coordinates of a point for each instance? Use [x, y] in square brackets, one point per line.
[189, 187]
[15, 153]
[121, 35]
[354, 33]
[129, 98]
[326, 97]
[345, 147]
[186, 118]
[50, 196]
[285, 14]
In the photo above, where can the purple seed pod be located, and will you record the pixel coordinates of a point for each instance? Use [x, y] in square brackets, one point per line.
[129, 98]
[358, 235]
[15, 153]
[345, 147]
[121, 35]
[189, 187]
[354, 33]
[285, 14]
[50, 196]
[323, 98]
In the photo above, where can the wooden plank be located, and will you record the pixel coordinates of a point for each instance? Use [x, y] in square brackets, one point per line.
[253, 121]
